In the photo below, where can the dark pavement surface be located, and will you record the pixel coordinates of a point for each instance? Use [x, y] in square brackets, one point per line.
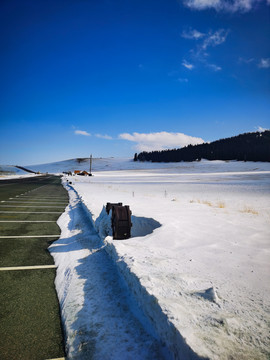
[30, 326]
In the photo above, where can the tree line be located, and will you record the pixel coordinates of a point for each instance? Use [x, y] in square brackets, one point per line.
[244, 147]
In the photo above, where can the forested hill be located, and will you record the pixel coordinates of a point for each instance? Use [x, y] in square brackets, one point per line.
[244, 147]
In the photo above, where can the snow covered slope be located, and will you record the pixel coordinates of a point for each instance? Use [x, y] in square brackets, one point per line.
[12, 172]
[207, 266]
[197, 263]
[109, 164]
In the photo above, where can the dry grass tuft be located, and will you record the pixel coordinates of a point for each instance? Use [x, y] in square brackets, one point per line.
[220, 204]
[206, 202]
[249, 210]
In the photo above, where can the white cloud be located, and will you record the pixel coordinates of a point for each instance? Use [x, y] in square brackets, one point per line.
[204, 41]
[160, 140]
[246, 60]
[106, 137]
[214, 67]
[223, 5]
[81, 132]
[182, 80]
[193, 34]
[214, 39]
[187, 65]
[260, 129]
[264, 63]
[202, 4]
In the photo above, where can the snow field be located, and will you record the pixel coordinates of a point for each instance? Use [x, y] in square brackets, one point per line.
[17, 176]
[97, 311]
[207, 266]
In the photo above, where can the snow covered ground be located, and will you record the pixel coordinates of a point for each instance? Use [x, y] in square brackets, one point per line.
[198, 260]
[16, 176]
[194, 277]
[101, 320]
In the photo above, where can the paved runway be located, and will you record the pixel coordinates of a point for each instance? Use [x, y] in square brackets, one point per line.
[30, 326]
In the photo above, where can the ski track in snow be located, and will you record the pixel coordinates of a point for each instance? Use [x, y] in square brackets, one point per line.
[97, 310]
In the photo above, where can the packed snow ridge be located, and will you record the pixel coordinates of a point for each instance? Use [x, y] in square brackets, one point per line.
[193, 278]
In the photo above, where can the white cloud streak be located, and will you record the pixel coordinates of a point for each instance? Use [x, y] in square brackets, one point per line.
[202, 4]
[246, 60]
[106, 137]
[192, 34]
[264, 63]
[223, 5]
[187, 65]
[260, 129]
[81, 132]
[160, 140]
[182, 80]
[214, 39]
[214, 67]
[204, 41]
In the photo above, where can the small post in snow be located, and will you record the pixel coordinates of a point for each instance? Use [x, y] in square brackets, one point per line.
[90, 165]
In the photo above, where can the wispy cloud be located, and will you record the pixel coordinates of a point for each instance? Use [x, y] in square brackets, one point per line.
[204, 42]
[214, 67]
[260, 129]
[81, 132]
[160, 140]
[202, 4]
[223, 5]
[182, 80]
[192, 34]
[213, 39]
[187, 65]
[245, 60]
[264, 63]
[106, 137]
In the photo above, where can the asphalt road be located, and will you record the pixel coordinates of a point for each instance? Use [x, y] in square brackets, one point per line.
[30, 326]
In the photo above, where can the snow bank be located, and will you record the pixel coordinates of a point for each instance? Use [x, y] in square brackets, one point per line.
[202, 276]
[147, 302]
[96, 309]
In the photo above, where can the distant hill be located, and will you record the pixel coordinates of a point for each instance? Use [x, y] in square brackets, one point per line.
[245, 147]
[10, 170]
[98, 164]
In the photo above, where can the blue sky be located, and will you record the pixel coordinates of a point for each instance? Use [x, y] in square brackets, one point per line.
[111, 77]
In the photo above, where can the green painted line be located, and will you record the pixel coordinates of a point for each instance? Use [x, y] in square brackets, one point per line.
[30, 206]
[31, 212]
[43, 198]
[38, 198]
[28, 236]
[30, 201]
[26, 221]
[35, 202]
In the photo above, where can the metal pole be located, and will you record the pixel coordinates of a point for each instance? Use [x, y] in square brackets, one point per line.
[91, 165]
